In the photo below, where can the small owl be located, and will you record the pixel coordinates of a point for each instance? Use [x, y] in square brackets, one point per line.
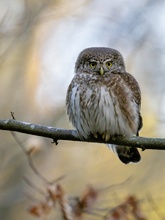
[103, 100]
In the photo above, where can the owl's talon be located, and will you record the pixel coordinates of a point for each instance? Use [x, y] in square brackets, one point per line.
[105, 137]
[95, 136]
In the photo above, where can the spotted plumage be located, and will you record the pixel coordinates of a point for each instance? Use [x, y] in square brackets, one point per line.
[103, 100]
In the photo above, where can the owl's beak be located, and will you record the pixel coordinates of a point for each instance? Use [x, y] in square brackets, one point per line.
[101, 71]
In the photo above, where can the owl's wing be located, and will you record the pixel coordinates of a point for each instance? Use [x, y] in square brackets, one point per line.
[134, 87]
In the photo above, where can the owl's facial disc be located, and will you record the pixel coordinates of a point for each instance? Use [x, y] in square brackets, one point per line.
[99, 66]
[96, 66]
[93, 64]
[106, 66]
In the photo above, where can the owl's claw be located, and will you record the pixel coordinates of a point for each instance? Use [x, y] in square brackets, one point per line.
[106, 137]
[95, 136]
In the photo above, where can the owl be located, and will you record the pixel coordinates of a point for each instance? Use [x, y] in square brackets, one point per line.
[103, 100]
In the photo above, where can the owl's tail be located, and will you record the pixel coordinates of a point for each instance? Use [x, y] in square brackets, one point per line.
[126, 154]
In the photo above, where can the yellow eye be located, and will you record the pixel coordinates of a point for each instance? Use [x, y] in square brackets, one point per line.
[108, 64]
[93, 64]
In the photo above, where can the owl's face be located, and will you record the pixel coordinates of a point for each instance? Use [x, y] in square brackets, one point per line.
[99, 60]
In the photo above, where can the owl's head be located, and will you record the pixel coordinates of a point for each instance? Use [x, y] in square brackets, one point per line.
[99, 60]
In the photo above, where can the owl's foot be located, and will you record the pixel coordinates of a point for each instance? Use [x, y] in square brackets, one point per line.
[95, 136]
[103, 137]
[106, 137]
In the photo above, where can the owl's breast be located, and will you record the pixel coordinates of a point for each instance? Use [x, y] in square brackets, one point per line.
[113, 114]
[96, 108]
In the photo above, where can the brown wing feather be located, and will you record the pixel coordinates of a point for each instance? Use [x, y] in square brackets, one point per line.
[134, 87]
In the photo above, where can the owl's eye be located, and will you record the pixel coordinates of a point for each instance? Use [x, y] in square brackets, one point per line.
[109, 64]
[93, 64]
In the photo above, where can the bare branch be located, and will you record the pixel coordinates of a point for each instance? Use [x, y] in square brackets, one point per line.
[72, 135]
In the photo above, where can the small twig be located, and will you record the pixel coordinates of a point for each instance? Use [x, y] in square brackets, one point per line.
[31, 197]
[154, 206]
[12, 115]
[33, 186]
[30, 161]
[31, 164]
[55, 142]
[119, 185]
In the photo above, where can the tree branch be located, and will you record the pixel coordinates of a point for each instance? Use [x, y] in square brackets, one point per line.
[72, 135]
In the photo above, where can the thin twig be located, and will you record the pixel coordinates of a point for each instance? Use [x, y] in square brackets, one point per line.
[30, 161]
[154, 206]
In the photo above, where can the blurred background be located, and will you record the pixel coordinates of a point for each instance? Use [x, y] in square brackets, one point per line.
[39, 43]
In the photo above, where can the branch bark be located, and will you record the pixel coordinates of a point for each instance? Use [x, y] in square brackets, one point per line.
[72, 135]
